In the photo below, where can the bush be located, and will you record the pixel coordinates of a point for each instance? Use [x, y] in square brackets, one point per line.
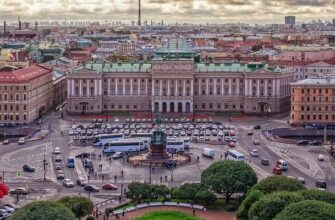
[313, 194]
[307, 210]
[270, 205]
[80, 206]
[251, 198]
[278, 183]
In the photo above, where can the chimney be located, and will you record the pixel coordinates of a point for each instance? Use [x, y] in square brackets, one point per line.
[4, 29]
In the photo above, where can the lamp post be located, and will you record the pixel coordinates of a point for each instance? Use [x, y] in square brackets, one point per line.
[45, 163]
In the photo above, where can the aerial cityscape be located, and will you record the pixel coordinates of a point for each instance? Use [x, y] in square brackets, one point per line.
[167, 110]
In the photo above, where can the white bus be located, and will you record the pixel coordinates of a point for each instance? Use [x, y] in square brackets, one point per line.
[101, 139]
[175, 146]
[235, 155]
[123, 146]
[185, 139]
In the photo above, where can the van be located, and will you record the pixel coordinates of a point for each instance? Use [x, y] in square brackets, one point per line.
[208, 152]
[282, 164]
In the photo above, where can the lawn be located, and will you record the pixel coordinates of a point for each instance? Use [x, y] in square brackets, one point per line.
[166, 215]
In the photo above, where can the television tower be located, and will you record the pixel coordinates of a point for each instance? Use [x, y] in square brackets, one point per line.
[139, 12]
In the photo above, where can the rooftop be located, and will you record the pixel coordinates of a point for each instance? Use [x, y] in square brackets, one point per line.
[326, 80]
[175, 48]
[24, 75]
[117, 67]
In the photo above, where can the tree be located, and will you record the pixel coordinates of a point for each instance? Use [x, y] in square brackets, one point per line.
[228, 177]
[186, 191]
[270, 205]
[43, 210]
[313, 194]
[205, 197]
[79, 205]
[159, 191]
[307, 210]
[278, 183]
[250, 199]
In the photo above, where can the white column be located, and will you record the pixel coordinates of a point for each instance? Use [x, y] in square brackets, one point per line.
[80, 88]
[191, 107]
[72, 85]
[238, 87]
[278, 87]
[153, 88]
[116, 86]
[160, 87]
[273, 87]
[229, 88]
[109, 87]
[146, 86]
[192, 89]
[183, 107]
[266, 88]
[199, 86]
[207, 87]
[176, 89]
[88, 87]
[131, 86]
[222, 87]
[68, 88]
[160, 106]
[175, 106]
[123, 86]
[168, 109]
[96, 87]
[250, 87]
[139, 87]
[100, 86]
[184, 89]
[168, 87]
[214, 92]
[257, 87]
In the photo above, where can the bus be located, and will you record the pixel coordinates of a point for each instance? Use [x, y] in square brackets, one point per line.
[235, 155]
[145, 137]
[185, 139]
[101, 139]
[123, 146]
[71, 162]
[175, 146]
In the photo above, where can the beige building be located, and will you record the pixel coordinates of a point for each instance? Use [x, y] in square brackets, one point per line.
[173, 82]
[313, 101]
[25, 94]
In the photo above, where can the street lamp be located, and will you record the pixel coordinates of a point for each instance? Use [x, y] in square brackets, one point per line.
[45, 163]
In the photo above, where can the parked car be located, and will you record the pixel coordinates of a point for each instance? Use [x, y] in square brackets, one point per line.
[91, 188]
[28, 168]
[60, 175]
[8, 209]
[19, 191]
[231, 144]
[254, 153]
[265, 162]
[57, 150]
[256, 141]
[109, 186]
[5, 142]
[302, 142]
[257, 127]
[315, 143]
[58, 158]
[118, 155]
[22, 141]
[68, 183]
[321, 184]
[321, 157]
[250, 132]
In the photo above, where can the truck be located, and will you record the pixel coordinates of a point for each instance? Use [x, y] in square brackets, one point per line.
[208, 152]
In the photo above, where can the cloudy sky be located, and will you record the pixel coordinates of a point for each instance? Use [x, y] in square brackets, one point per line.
[249, 11]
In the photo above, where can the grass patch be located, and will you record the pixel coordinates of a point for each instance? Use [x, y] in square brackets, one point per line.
[166, 215]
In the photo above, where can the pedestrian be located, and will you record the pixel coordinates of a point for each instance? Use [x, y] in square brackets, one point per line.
[122, 173]
[102, 177]
[193, 212]
[198, 158]
[161, 178]
[115, 178]
[99, 156]
[221, 156]
[107, 214]
[123, 213]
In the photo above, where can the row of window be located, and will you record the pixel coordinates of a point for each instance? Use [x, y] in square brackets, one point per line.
[314, 91]
[5, 97]
[315, 117]
[313, 99]
[12, 118]
[12, 88]
[218, 106]
[315, 108]
[11, 107]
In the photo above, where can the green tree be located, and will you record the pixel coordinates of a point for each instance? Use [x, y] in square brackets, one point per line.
[228, 177]
[159, 191]
[139, 191]
[204, 197]
[80, 206]
[307, 210]
[270, 205]
[250, 199]
[313, 194]
[278, 183]
[43, 210]
[186, 191]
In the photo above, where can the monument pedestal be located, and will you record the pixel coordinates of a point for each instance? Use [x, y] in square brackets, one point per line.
[158, 152]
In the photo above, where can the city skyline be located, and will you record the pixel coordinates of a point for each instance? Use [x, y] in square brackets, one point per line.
[190, 11]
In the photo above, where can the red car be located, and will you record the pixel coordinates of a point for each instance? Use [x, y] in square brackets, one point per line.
[109, 186]
[231, 144]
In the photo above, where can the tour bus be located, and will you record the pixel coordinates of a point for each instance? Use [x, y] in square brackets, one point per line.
[175, 146]
[145, 137]
[185, 139]
[70, 162]
[235, 155]
[101, 139]
[123, 146]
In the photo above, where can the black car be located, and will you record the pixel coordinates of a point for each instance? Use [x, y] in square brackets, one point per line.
[265, 162]
[257, 127]
[315, 143]
[28, 168]
[83, 155]
[321, 184]
[91, 188]
[302, 143]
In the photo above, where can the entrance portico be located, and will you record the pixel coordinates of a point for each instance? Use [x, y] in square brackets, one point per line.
[173, 106]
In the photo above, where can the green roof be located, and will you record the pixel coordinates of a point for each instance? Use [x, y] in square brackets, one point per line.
[228, 67]
[175, 48]
[118, 67]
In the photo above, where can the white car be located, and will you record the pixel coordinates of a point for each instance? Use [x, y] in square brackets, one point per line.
[116, 120]
[254, 153]
[22, 140]
[256, 141]
[68, 183]
[321, 157]
[57, 150]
